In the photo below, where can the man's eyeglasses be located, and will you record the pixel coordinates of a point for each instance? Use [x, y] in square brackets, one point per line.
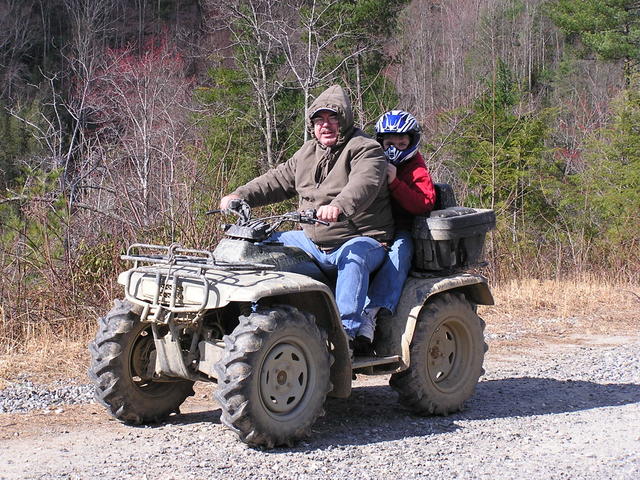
[319, 121]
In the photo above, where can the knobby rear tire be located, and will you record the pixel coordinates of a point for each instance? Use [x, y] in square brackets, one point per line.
[446, 357]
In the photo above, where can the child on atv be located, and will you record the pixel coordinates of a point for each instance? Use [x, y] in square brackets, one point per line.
[412, 193]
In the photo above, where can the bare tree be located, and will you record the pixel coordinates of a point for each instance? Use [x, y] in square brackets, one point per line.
[17, 36]
[251, 26]
[308, 34]
[141, 108]
[453, 46]
[284, 45]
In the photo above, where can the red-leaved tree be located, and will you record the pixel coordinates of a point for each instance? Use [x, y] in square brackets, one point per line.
[139, 108]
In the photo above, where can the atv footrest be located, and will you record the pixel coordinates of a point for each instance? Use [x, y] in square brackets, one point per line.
[361, 362]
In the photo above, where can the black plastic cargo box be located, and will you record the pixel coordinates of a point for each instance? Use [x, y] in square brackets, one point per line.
[451, 238]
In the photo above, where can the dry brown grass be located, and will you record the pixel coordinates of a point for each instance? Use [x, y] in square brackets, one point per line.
[49, 355]
[559, 310]
[526, 311]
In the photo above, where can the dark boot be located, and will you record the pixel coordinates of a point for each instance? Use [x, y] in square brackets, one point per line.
[362, 347]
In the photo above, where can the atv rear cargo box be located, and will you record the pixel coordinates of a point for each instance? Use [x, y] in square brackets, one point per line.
[451, 238]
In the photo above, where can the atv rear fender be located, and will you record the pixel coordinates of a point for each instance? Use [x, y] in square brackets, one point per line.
[395, 333]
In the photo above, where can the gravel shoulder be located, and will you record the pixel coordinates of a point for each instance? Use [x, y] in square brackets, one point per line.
[545, 409]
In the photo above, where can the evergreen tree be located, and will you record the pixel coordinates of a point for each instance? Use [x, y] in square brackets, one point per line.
[14, 142]
[612, 181]
[373, 25]
[500, 151]
[230, 141]
[610, 28]
[499, 160]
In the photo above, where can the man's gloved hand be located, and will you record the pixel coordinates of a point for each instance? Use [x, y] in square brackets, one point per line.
[235, 204]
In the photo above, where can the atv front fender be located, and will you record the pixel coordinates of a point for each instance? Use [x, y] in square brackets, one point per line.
[188, 290]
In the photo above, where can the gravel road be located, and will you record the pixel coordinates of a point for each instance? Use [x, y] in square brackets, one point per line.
[553, 411]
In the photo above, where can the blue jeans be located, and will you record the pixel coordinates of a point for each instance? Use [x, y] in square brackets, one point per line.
[353, 262]
[386, 285]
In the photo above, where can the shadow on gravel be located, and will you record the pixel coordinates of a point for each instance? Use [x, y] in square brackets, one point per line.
[525, 396]
[373, 415]
[211, 416]
[205, 416]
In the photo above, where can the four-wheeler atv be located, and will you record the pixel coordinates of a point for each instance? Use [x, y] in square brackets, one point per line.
[246, 317]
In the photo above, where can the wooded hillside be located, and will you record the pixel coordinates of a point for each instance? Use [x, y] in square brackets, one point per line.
[125, 120]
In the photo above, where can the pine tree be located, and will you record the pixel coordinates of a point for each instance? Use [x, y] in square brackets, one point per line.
[610, 28]
[499, 153]
[612, 181]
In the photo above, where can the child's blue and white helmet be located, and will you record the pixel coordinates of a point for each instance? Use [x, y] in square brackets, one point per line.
[399, 122]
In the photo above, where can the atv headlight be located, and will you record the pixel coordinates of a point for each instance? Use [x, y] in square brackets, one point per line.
[192, 294]
[186, 293]
[148, 288]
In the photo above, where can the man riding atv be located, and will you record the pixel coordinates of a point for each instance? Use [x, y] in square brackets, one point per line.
[247, 316]
[342, 174]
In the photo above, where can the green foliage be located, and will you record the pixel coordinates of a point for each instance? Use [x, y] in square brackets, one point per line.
[372, 24]
[96, 262]
[289, 105]
[231, 142]
[500, 152]
[610, 28]
[36, 216]
[371, 18]
[612, 181]
[379, 97]
[503, 90]
[16, 144]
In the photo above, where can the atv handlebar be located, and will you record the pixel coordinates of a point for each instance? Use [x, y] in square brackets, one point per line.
[307, 216]
[259, 229]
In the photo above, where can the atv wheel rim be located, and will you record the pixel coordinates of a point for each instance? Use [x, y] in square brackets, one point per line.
[284, 378]
[141, 354]
[442, 354]
[448, 354]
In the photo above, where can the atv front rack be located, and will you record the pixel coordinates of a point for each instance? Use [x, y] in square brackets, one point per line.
[166, 287]
[176, 255]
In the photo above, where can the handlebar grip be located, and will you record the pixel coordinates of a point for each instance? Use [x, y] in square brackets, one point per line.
[311, 216]
[234, 204]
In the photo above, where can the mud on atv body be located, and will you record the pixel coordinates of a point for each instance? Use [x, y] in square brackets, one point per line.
[244, 317]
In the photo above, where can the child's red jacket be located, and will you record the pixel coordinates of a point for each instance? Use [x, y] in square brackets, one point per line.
[412, 192]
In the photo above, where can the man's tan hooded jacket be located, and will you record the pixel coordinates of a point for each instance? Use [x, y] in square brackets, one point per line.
[351, 175]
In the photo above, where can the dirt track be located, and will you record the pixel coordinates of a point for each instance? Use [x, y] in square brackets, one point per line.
[545, 409]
